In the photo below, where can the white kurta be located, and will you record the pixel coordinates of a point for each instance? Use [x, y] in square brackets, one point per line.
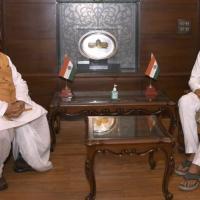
[189, 104]
[21, 94]
[29, 133]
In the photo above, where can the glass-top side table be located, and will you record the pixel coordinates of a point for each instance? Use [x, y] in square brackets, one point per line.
[128, 135]
[93, 103]
[125, 127]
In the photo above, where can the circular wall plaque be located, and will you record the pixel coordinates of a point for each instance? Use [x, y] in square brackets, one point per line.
[98, 45]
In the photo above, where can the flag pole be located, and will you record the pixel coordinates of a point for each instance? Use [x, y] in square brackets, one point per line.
[65, 71]
[66, 86]
[150, 91]
[150, 85]
[66, 92]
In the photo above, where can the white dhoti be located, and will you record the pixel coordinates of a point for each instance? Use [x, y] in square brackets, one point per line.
[189, 104]
[32, 140]
[29, 132]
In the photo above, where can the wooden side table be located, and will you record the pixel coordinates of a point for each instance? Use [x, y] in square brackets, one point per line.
[87, 103]
[128, 135]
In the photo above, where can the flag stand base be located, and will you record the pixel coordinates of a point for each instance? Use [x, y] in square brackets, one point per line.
[151, 91]
[66, 92]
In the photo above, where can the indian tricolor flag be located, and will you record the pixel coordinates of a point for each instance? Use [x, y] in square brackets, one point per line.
[67, 70]
[153, 69]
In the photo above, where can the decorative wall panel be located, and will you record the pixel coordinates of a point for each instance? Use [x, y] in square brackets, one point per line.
[119, 19]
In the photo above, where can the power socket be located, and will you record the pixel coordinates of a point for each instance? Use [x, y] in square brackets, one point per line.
[183, 26]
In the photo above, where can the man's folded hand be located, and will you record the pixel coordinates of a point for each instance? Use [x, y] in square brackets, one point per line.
[197, 92]
[15, 109]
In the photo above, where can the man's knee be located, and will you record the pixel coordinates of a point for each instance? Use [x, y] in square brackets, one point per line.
[183, 101]
[187, 100]
[6, 136]
[3, 136]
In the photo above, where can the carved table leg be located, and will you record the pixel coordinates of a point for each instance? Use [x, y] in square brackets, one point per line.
[169, 167]
[152, 162]
[54, 125]
[89, 171]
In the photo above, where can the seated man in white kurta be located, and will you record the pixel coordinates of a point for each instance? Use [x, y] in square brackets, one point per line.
[23, 124]
[189, 105]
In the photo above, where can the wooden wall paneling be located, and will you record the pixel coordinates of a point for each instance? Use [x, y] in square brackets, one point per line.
[42, 88]
[30, 41]
[159, 33]
[31, 1]
[1, 24]
[173, 85]
[175, 53]
[106, 83]
[30, 33]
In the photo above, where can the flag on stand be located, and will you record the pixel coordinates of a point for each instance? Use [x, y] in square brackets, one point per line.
[152, 70]
[67, 70]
